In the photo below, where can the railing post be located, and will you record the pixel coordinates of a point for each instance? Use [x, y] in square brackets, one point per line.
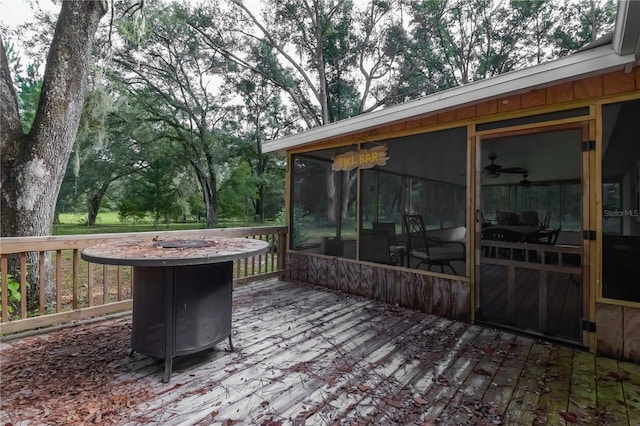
[4, 265]
[282, 255]
[23, 285]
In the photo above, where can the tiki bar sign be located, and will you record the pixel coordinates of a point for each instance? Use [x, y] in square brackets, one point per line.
[364, 159]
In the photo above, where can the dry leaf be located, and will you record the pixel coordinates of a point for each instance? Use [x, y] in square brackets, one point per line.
[394, 402]
[482, 372]
[421, 400]
[487, 351]
[619, 376]
[569, 417]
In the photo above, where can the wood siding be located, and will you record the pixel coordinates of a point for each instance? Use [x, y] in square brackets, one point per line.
[618, 331]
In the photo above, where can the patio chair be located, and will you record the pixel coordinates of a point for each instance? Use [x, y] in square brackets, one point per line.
[501, 218]
[374, 246]
[430, 251]
[549, 237]
[530, 218]
[545, 222]
[397, 250]
[508, 218]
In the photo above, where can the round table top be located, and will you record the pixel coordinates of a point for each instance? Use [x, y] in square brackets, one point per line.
[173, 252]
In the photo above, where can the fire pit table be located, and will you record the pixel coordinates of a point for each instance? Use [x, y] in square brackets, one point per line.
[182, 291]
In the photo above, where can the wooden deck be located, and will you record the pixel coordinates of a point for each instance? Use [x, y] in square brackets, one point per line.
[312, 356]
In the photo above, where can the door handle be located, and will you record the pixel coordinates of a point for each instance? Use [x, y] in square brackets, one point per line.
[477, 215]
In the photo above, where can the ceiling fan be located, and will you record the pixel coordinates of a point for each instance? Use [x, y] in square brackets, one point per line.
[527, 183]
[494, 170]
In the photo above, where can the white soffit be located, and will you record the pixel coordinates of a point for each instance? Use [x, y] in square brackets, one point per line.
[579, 65]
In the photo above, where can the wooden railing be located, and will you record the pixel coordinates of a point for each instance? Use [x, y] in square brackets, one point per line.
[543, 257]
[77, 290]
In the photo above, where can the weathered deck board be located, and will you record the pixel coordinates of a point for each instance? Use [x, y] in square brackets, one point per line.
[448, 384]
[504, 382]
[426, 365]
[630, 388]
[610, 381]
[523, 408]
[582, 398]
[310, 356]
[555, 395]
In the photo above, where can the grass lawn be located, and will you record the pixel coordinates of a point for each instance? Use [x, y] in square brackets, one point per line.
[109, 222]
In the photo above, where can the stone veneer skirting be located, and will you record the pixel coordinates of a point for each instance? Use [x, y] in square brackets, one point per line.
[413, 289]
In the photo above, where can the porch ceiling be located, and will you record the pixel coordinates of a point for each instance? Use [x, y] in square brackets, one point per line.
[554, 156]
[310, 356]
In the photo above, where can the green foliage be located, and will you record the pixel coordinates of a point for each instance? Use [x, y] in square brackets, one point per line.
[581, 22]
[29, 86]
[30, 89]
[130, 209]
[300, 233]
[115, 143]
[237, 192]
[151, 191]
[14, 297]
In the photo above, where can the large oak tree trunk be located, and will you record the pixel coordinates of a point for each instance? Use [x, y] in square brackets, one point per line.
[208, 186]
[33, 165]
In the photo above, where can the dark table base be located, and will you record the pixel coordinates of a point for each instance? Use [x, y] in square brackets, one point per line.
[179, 310]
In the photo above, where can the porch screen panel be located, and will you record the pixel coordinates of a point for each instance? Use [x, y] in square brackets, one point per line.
[323, 205]
[621, 201]
[425, 174]
[382, 198]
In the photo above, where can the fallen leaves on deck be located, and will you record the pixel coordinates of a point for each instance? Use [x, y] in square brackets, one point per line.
[70, 376]
[619, 376]
[569, 417]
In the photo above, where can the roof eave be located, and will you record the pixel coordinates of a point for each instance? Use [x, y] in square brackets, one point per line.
[626, 37]
[573, 67]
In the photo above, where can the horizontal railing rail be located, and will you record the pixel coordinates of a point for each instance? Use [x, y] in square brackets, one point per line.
[546, 257]
[77, 290]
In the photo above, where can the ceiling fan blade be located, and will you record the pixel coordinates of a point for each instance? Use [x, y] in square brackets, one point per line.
[530, 184]
[525, 182]
[516, 170]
